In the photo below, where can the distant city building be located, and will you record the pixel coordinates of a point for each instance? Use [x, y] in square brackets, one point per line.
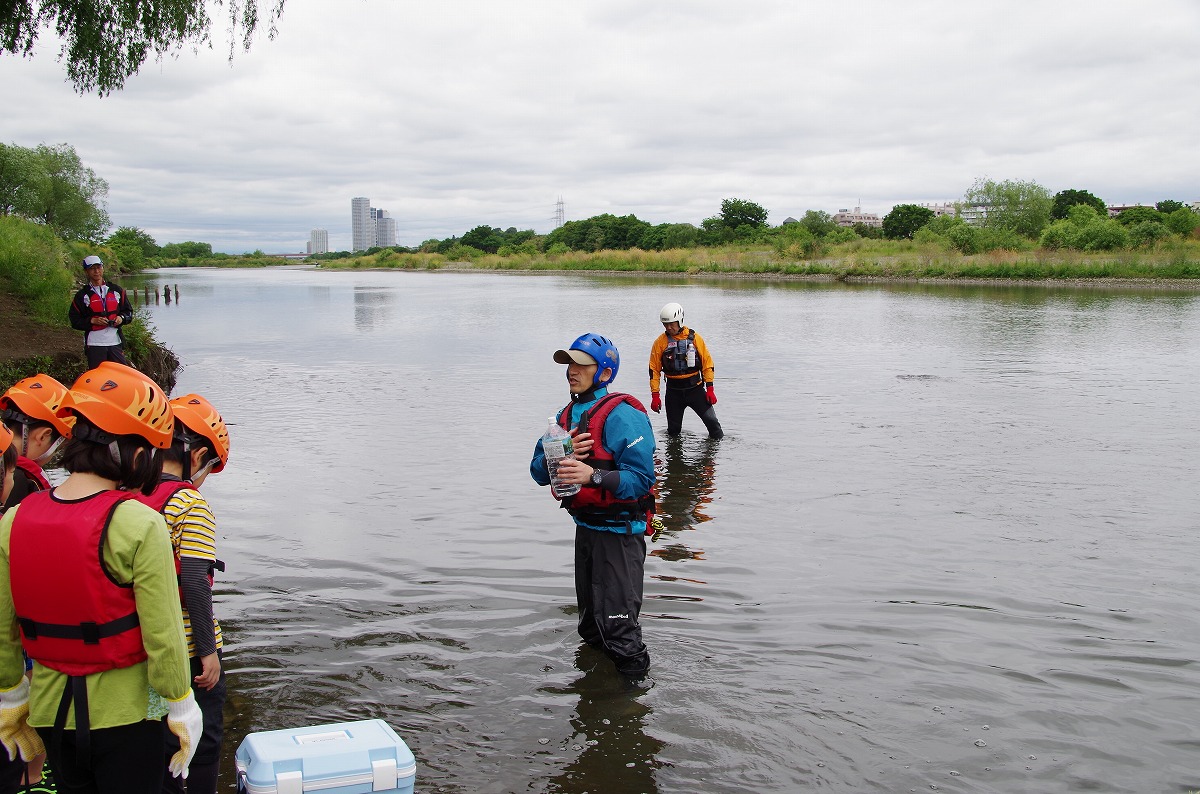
[788, 221]
[974, 215]
[370, 227]
[362, 225]
[848, 218]
[318, 241]
[1116, 209]
[1196, 206]
[944, 208]
[385, 229]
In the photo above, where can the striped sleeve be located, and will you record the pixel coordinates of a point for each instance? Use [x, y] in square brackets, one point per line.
[194, 536]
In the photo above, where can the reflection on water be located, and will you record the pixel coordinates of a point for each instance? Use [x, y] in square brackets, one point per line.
[686, 485]
[373, 307]
[950, 546]
[609, 746]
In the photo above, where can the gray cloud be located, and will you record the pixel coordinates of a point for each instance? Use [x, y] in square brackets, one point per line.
[451, 115]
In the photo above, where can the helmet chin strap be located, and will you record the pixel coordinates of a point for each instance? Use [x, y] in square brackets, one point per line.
[49, 453]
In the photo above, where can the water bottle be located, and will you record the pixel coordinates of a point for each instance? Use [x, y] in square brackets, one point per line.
[557, 446]
[691, 355]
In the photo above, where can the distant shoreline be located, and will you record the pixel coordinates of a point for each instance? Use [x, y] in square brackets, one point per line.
[1166, 284]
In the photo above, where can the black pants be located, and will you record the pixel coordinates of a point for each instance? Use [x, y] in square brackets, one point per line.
[12, 773]
[206, 764]
[99, 353]
[608, 589]
[697, 400]
[126, 759]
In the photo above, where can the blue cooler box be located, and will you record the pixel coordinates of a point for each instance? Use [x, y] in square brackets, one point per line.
[340, 758]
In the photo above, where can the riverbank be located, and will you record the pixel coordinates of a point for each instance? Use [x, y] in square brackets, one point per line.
[1182, 284]
[889, 261]
[32, 346]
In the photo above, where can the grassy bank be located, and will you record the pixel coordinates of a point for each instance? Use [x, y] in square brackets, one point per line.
[39, 274]
[857, 259]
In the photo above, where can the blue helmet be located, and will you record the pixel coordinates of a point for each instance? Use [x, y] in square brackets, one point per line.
[599, 349]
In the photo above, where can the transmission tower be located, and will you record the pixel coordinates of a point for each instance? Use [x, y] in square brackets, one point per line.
[560, 214]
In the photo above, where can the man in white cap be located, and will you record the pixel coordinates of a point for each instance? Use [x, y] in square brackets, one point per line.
[99, 310]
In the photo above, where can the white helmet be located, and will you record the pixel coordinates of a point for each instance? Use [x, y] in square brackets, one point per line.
[671, 313]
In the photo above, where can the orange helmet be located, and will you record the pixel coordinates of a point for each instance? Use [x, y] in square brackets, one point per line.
[6, 438]
[122, 401]
[40, 397]
[198, 415]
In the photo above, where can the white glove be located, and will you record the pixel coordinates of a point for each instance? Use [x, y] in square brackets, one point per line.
[16, 735]
[187, 723]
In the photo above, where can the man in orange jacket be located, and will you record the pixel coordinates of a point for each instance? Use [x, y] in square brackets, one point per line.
[681, 355]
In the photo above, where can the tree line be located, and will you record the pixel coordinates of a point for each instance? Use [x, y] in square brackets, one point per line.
[1012, 215]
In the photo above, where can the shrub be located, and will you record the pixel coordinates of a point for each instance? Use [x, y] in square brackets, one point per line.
[1101, 235]
[1147, 233]
[35, 262]
[1182, 221]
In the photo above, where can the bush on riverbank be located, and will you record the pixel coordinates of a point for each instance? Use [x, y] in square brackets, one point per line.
[33, 266]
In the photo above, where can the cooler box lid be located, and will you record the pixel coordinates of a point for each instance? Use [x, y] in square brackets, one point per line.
[346, 757]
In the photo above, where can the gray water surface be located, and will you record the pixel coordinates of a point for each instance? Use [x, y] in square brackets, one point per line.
[948, 543]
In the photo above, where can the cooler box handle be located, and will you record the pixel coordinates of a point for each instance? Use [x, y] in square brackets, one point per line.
[384, 774]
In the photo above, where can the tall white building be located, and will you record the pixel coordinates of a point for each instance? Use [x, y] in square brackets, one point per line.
[318, 241]
[371, 227]
[385, 230]
[362, 224]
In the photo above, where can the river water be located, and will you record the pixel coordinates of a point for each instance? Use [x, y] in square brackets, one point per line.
[948, 543]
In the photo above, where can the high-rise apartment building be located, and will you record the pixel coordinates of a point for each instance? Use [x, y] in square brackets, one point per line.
[318, 241]
[362, 223]
[372, 227]
[385, 229]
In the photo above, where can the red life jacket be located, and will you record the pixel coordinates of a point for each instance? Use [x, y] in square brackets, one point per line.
[33, 472]
[600, 506]
[74, 617]
[106, 306]
[158, 500]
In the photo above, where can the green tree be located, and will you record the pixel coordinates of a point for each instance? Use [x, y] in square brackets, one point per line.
[72, 197]
[1182, 221]
[1022, 207]
[818, 222]
[23, 181]
[188, 250]
[1065, 199]
[105, 43]
[1167, 206]
[485, 238]
[665, 236]
[904, 220]
[1146, 233]
[1137, 215]
[132, 236]
[739, 212]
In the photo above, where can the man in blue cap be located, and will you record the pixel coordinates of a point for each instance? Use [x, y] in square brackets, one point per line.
[100, 309]
[614, 444]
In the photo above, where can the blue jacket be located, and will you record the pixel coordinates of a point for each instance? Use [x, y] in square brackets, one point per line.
[629, 436]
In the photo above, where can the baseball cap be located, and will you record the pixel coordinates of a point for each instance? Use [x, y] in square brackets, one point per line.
[577, 356]
[92, 261]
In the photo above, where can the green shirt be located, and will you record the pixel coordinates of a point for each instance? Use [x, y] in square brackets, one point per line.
[137, 549]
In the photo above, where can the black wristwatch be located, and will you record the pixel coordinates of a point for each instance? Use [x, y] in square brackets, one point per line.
[597, 477]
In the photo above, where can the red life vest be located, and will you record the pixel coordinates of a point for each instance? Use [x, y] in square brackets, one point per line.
[600, 506]
[74, 617]
[106, 306]
[33, 472]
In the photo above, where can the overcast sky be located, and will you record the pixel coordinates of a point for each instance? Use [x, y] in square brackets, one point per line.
[453, 114]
